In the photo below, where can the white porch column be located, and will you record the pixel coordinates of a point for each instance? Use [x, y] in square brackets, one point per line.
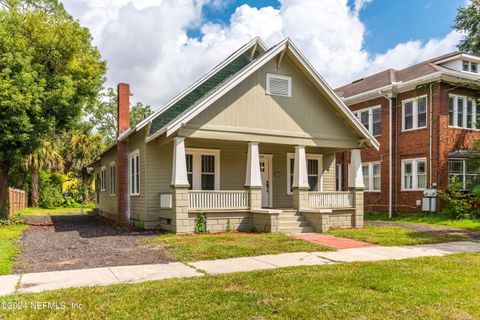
[253, 177]
[300, 175]
[179, 165]
[356, 186]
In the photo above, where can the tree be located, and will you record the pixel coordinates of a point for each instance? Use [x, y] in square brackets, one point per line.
[104, 115]
[468, 22]
[49, 72]
[47, 157]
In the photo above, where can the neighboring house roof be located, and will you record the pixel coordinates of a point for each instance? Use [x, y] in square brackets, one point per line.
[391, 76]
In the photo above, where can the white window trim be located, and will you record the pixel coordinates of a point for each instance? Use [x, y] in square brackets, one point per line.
[464, 171]
[279, 76]
[455, 112]
[415, 113]
[197, 166]
[470, 66]
[338, 177]
[370, 175]
[370, 110]
[103, 178]
[309, 156]
[131, 155]
[113, 182]
[414, 174]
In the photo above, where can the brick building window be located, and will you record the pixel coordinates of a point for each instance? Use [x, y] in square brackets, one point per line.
[371, 119]
[465, 171]
[372, 176]
[462, 112]
[414, 113]
[414, 174]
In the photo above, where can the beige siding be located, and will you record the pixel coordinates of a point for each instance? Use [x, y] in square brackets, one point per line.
[328, 172]
[306, 116]
[107, 203]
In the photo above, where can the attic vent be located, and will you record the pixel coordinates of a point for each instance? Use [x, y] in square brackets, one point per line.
[279, 85]
[357, 80]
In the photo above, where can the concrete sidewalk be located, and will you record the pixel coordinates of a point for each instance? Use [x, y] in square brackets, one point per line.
[37, 282]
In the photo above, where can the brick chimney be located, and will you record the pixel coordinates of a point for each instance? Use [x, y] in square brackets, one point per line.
[123, 113]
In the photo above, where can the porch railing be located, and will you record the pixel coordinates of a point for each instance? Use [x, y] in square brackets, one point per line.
[338, 199]
[218, 199]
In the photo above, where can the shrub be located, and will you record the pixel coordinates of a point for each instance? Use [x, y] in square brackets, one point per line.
[50, 195]
[459, 203]
[201, 223]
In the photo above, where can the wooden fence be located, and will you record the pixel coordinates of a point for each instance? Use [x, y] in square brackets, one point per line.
[18, 200]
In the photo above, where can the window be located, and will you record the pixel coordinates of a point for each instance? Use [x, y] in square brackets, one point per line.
[279, 85]
[465, 171]
[462, 112]
[338, 177]
[112, 178]
[203, 169]
[473, 67]
[372, 176]
[103, 179]
[414, 174]
[371, 119]
[314, 172]
[469, 66]
[415, 113]
[465, 65]
[134, 173]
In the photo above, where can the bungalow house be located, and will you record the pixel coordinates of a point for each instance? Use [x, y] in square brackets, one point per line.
[251, 144]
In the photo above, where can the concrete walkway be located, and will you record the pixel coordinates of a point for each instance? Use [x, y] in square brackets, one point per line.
[37, 282]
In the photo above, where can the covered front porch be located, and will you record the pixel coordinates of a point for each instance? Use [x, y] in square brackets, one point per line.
[255, 186]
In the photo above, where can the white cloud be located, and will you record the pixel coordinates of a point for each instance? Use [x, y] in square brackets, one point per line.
[146, 42]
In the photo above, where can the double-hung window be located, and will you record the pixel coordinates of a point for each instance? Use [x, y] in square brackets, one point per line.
[103, 179]
[414, 174]
[134, 173]
[314, 172]
[469, 66]
[371, 119]
[462, 112]
[112, 178]
[465, 171]
[372, 176]
[203, 169]
[414, 113]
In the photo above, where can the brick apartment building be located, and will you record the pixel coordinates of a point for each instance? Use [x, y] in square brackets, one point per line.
[425, 118]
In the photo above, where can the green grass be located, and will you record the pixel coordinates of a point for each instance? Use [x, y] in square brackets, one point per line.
[395, 236]
[231, 245]
[472, 224]
[422, 288]
[9, 248]
[51, 212]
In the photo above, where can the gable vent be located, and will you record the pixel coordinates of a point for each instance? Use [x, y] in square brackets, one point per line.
[279, 85]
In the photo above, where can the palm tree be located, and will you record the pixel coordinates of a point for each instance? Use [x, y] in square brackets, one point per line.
[46, 157]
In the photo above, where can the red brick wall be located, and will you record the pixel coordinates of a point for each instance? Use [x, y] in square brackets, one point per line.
[123, 92]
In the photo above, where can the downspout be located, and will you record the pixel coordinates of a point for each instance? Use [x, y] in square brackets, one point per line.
[430, 136]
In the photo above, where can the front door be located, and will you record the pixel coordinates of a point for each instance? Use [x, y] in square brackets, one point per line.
[266, 172]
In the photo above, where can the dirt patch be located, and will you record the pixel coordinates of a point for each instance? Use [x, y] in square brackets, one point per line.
[83, 241]
[473, 235]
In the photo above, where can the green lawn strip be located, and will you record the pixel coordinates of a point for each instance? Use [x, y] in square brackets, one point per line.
[395, 236]
[52, 212]
[421, 288]
[9, 247]
[231, 245]
[473, 224]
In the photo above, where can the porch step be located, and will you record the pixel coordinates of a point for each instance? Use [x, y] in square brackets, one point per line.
[294, 224]
[290, 218]
[296, 229]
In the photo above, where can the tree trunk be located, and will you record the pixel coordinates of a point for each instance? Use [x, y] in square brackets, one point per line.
[4, 212]
[35, 185]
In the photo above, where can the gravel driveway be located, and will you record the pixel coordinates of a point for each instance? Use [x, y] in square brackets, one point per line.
[83, 241]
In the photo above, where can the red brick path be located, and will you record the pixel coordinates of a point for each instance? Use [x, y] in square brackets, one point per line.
[332, 241]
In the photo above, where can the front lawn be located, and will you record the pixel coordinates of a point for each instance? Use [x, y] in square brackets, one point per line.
[231, 245]
[9, 248]
[434, 219]
[422, 288]
[52, 212]
[395, 236]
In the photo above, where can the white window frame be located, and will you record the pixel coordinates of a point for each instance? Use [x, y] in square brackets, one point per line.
[469, 66]
[358, 114]
[371, 177]
[338, 177]
[464, 170]
[414, 162]
[415, 113]
[278, 76]
[134, 155]
[113, 178]
[103, 178]
[197, 166]
[464, 115]
[310, 156]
